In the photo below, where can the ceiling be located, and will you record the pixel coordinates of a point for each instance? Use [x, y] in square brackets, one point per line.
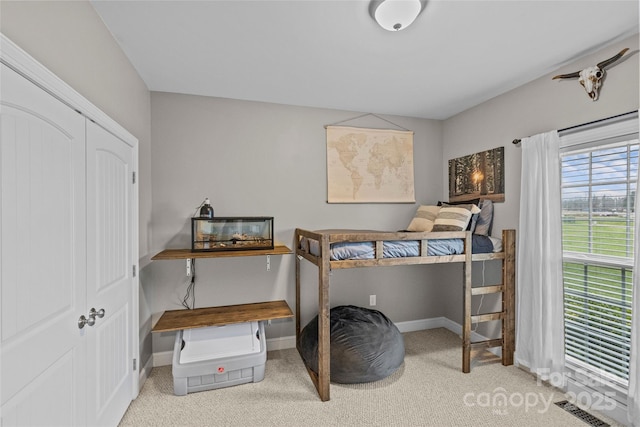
[331, 53]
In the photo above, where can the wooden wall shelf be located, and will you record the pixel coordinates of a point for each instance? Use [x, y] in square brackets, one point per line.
[168, 254]
[175, 320]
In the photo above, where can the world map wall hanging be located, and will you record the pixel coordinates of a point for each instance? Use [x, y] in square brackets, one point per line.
[369, 165]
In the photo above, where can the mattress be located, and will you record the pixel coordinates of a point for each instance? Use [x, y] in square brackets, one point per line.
[403, 248]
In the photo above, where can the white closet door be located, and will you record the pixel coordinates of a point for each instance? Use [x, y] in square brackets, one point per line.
[43, 265]
[110, 275]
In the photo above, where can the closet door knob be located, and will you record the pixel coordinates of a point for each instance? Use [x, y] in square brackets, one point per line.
[93, 313]
[84, 321]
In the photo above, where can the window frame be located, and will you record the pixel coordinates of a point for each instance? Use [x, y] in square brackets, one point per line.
[580, 376]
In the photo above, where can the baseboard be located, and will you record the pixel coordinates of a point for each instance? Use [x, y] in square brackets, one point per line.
[165, 358]
[443, 322]
[281, 343]
[423, 324]
[162, 358]
[144, 372]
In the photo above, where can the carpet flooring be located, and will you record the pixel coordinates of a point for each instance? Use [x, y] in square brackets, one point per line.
[429, 389]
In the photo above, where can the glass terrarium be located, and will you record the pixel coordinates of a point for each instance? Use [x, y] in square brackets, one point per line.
[231, 233]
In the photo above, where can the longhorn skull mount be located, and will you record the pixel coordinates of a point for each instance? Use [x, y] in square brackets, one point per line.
[591, 77]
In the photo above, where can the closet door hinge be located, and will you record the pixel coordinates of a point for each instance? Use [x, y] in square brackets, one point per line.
[135, 364]
[134, 271]
[134, 177]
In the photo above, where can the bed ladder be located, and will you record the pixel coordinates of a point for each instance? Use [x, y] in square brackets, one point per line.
[506, 316]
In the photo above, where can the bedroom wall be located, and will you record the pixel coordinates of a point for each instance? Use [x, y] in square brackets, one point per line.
[69, 38]
[536, 107]
[259, 159]
[270, 159]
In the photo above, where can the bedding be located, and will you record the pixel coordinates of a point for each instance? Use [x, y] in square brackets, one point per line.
[424, 218]
[481, 222]
[401, 248]
[484, 221]
[474, 217]
[454, 217]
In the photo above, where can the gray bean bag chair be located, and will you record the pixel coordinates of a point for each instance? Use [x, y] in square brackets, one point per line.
[365, 345]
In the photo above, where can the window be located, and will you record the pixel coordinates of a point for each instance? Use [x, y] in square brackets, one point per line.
[599, 177]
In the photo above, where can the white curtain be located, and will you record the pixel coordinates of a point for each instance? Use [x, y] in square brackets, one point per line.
[633, 401]
[540, 325]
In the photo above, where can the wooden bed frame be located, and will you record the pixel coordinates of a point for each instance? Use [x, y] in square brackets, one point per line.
[321, 379]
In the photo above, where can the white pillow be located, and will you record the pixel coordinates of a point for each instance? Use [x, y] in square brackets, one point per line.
[424, 218]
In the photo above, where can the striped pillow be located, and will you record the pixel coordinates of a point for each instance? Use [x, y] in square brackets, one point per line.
[424, 218]
[454, 218]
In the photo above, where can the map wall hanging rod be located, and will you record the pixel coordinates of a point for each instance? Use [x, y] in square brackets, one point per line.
[364, 115]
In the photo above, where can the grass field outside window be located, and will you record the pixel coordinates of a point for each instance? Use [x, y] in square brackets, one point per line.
[598, 195]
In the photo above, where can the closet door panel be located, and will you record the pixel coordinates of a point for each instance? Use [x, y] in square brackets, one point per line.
[110, 272]
[43, 264]
[45, 400]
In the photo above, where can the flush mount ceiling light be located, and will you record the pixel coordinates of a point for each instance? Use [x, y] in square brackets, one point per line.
[395, 15]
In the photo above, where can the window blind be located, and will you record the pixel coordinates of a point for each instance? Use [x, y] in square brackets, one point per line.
[599, 177]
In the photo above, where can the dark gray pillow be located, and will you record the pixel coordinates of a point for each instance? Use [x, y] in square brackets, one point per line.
[365, 345]
[485, 218]
[481, 244]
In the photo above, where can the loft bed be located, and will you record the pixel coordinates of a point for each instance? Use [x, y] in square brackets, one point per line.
[325, 249]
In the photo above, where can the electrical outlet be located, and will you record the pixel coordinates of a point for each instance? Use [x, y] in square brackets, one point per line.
[188, 267]
[372, 300]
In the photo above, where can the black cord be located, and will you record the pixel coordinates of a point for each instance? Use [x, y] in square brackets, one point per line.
[191, 289]
[198, 208]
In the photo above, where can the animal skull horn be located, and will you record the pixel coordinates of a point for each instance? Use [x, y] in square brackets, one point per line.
[591, 78]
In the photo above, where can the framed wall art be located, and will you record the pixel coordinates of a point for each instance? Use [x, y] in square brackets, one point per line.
[479, 175]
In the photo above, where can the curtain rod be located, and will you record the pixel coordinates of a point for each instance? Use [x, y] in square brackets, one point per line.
[517, 140]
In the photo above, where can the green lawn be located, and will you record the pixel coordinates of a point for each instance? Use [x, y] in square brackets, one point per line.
[597, 298]
[610, 235]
